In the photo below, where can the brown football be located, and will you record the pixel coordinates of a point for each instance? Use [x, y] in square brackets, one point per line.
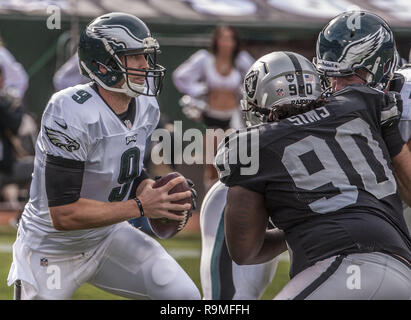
[165, 228]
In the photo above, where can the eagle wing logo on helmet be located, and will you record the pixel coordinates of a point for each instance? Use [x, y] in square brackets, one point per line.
[115, 34]
[61, 140]
[360, 50]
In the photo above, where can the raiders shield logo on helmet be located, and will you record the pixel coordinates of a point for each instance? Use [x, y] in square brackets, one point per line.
[251, 83]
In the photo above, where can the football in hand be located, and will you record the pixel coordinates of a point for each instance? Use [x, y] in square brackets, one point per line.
[165, 228]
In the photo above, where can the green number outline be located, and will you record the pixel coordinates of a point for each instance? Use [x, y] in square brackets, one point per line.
[130, 158]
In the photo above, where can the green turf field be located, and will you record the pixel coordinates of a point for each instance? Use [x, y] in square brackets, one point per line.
[184, 247]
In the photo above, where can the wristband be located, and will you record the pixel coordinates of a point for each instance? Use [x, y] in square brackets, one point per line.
[140, 206]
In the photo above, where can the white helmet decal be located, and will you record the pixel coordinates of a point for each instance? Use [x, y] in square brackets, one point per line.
[115, 34]
[356, 52]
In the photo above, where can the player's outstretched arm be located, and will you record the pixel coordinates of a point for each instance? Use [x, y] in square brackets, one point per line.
[87, 213]
[246, 221]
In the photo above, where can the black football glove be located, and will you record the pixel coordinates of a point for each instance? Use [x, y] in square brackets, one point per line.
[397, 82]
[391, 111]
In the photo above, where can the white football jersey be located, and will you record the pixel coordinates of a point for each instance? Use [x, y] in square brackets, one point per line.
[405, 123]
[77, 124]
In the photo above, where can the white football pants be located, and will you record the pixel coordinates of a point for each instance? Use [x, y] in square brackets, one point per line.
[127, 263]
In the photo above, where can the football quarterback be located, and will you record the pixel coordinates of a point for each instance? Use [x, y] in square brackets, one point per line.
[274, 80]
[326, 178]
[89, 180]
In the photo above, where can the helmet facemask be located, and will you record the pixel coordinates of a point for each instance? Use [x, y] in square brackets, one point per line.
[153, 76]
[254, 114]
[369, 78]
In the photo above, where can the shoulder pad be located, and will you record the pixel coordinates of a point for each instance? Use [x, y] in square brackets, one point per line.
[359, 96]
[358, 88]
[238, 156]
[78, 94]
[69, 105]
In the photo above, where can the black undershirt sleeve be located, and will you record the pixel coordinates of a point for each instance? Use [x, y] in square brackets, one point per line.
[64, 178]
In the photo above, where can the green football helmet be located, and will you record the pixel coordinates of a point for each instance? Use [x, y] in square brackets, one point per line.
[111, 36]
[357, 40]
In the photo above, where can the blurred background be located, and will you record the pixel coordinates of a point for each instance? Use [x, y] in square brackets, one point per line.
[182, 27]
[42, 35]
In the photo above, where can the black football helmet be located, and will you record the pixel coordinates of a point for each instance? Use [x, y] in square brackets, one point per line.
[117, 34]
[357, 40]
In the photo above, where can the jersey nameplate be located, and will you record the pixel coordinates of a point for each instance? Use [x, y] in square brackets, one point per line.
[310, 116]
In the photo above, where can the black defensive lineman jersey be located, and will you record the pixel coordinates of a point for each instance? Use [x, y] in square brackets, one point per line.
[326, 177]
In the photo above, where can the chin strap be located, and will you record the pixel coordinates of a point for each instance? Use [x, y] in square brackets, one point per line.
[135, 89]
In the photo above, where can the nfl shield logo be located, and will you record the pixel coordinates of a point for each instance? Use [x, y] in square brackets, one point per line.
[280, 92]
[44, 262]
[128, 124]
